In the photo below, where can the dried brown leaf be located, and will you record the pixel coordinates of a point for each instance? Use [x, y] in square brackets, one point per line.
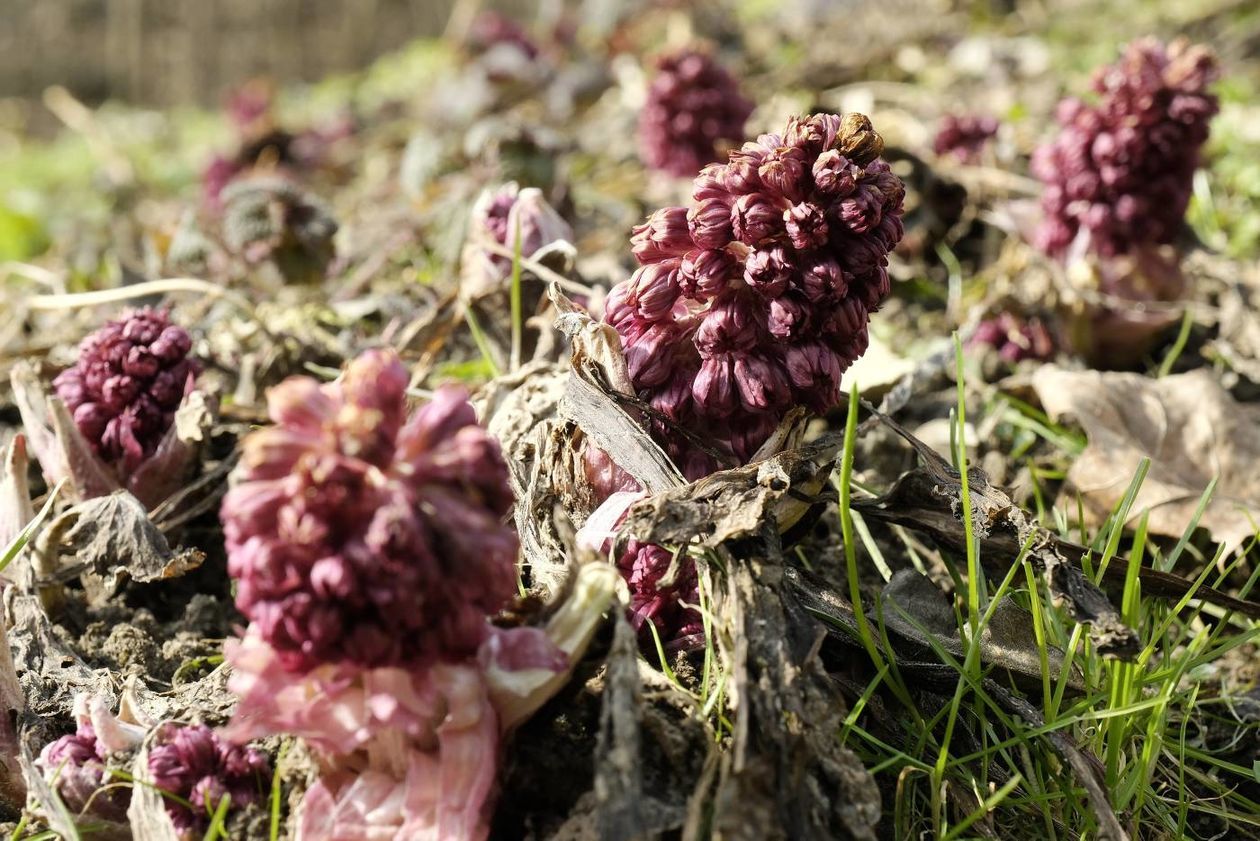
[1190, 428]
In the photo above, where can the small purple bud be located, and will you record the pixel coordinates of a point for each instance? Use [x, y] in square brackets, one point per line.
[834, 175]
[709, 222]
[664, 234]
[783, 172]
[762, 384]
[704, 274]
[768, 271]
[862, 210]
[756, 218]
[714, 387]
[806, 226]
[730, 324]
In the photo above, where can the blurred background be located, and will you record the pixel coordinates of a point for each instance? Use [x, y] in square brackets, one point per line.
[168, 52]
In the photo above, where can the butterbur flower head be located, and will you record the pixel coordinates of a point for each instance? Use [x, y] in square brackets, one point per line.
[130, 377]
[964, 137]
[1119, 175]
[769, 305]
[693, 105]
[199, 767]
[664, 590]
[361, 532]
[76, 764]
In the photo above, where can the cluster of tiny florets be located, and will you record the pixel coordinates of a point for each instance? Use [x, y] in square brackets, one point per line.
[365, 533]
[693, 105]
[197, 766]
[130, 377]
[78, 761]
[1120, 172]
[964, 136]
[755, 299]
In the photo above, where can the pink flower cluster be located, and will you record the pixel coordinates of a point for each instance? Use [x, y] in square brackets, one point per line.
[369, 547]
[1119, 175]
[964, 136]
[755, 299]
[129, 379]
[693, 104]
[190, 762]
[365, 534]
[197, 766]
[663, 592]
[78, 762]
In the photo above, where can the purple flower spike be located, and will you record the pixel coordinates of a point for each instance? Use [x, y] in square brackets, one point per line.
[367, 534]
[1119, 175]
[129, 379]
[195, 764]
[763, 286]
[693, 105]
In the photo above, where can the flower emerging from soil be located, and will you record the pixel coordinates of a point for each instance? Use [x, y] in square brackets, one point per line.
[369, 549]
[1119, 175]
[693, 104]
[1015, 339]
[365, 533]
[123, 391]
[964, 136]
[197, 766]
[756, 298]
[498, 218]
[76, 764]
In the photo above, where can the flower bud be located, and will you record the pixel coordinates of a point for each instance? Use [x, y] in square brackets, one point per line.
[756, 218]
[806, 226]
[834, 175]
[768, 271]
[706, 273]
[783, 172]
[709, 222]
[665, 234]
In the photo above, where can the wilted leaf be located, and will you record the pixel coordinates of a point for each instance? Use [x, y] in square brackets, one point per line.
[112, 536]
[1190, 428]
